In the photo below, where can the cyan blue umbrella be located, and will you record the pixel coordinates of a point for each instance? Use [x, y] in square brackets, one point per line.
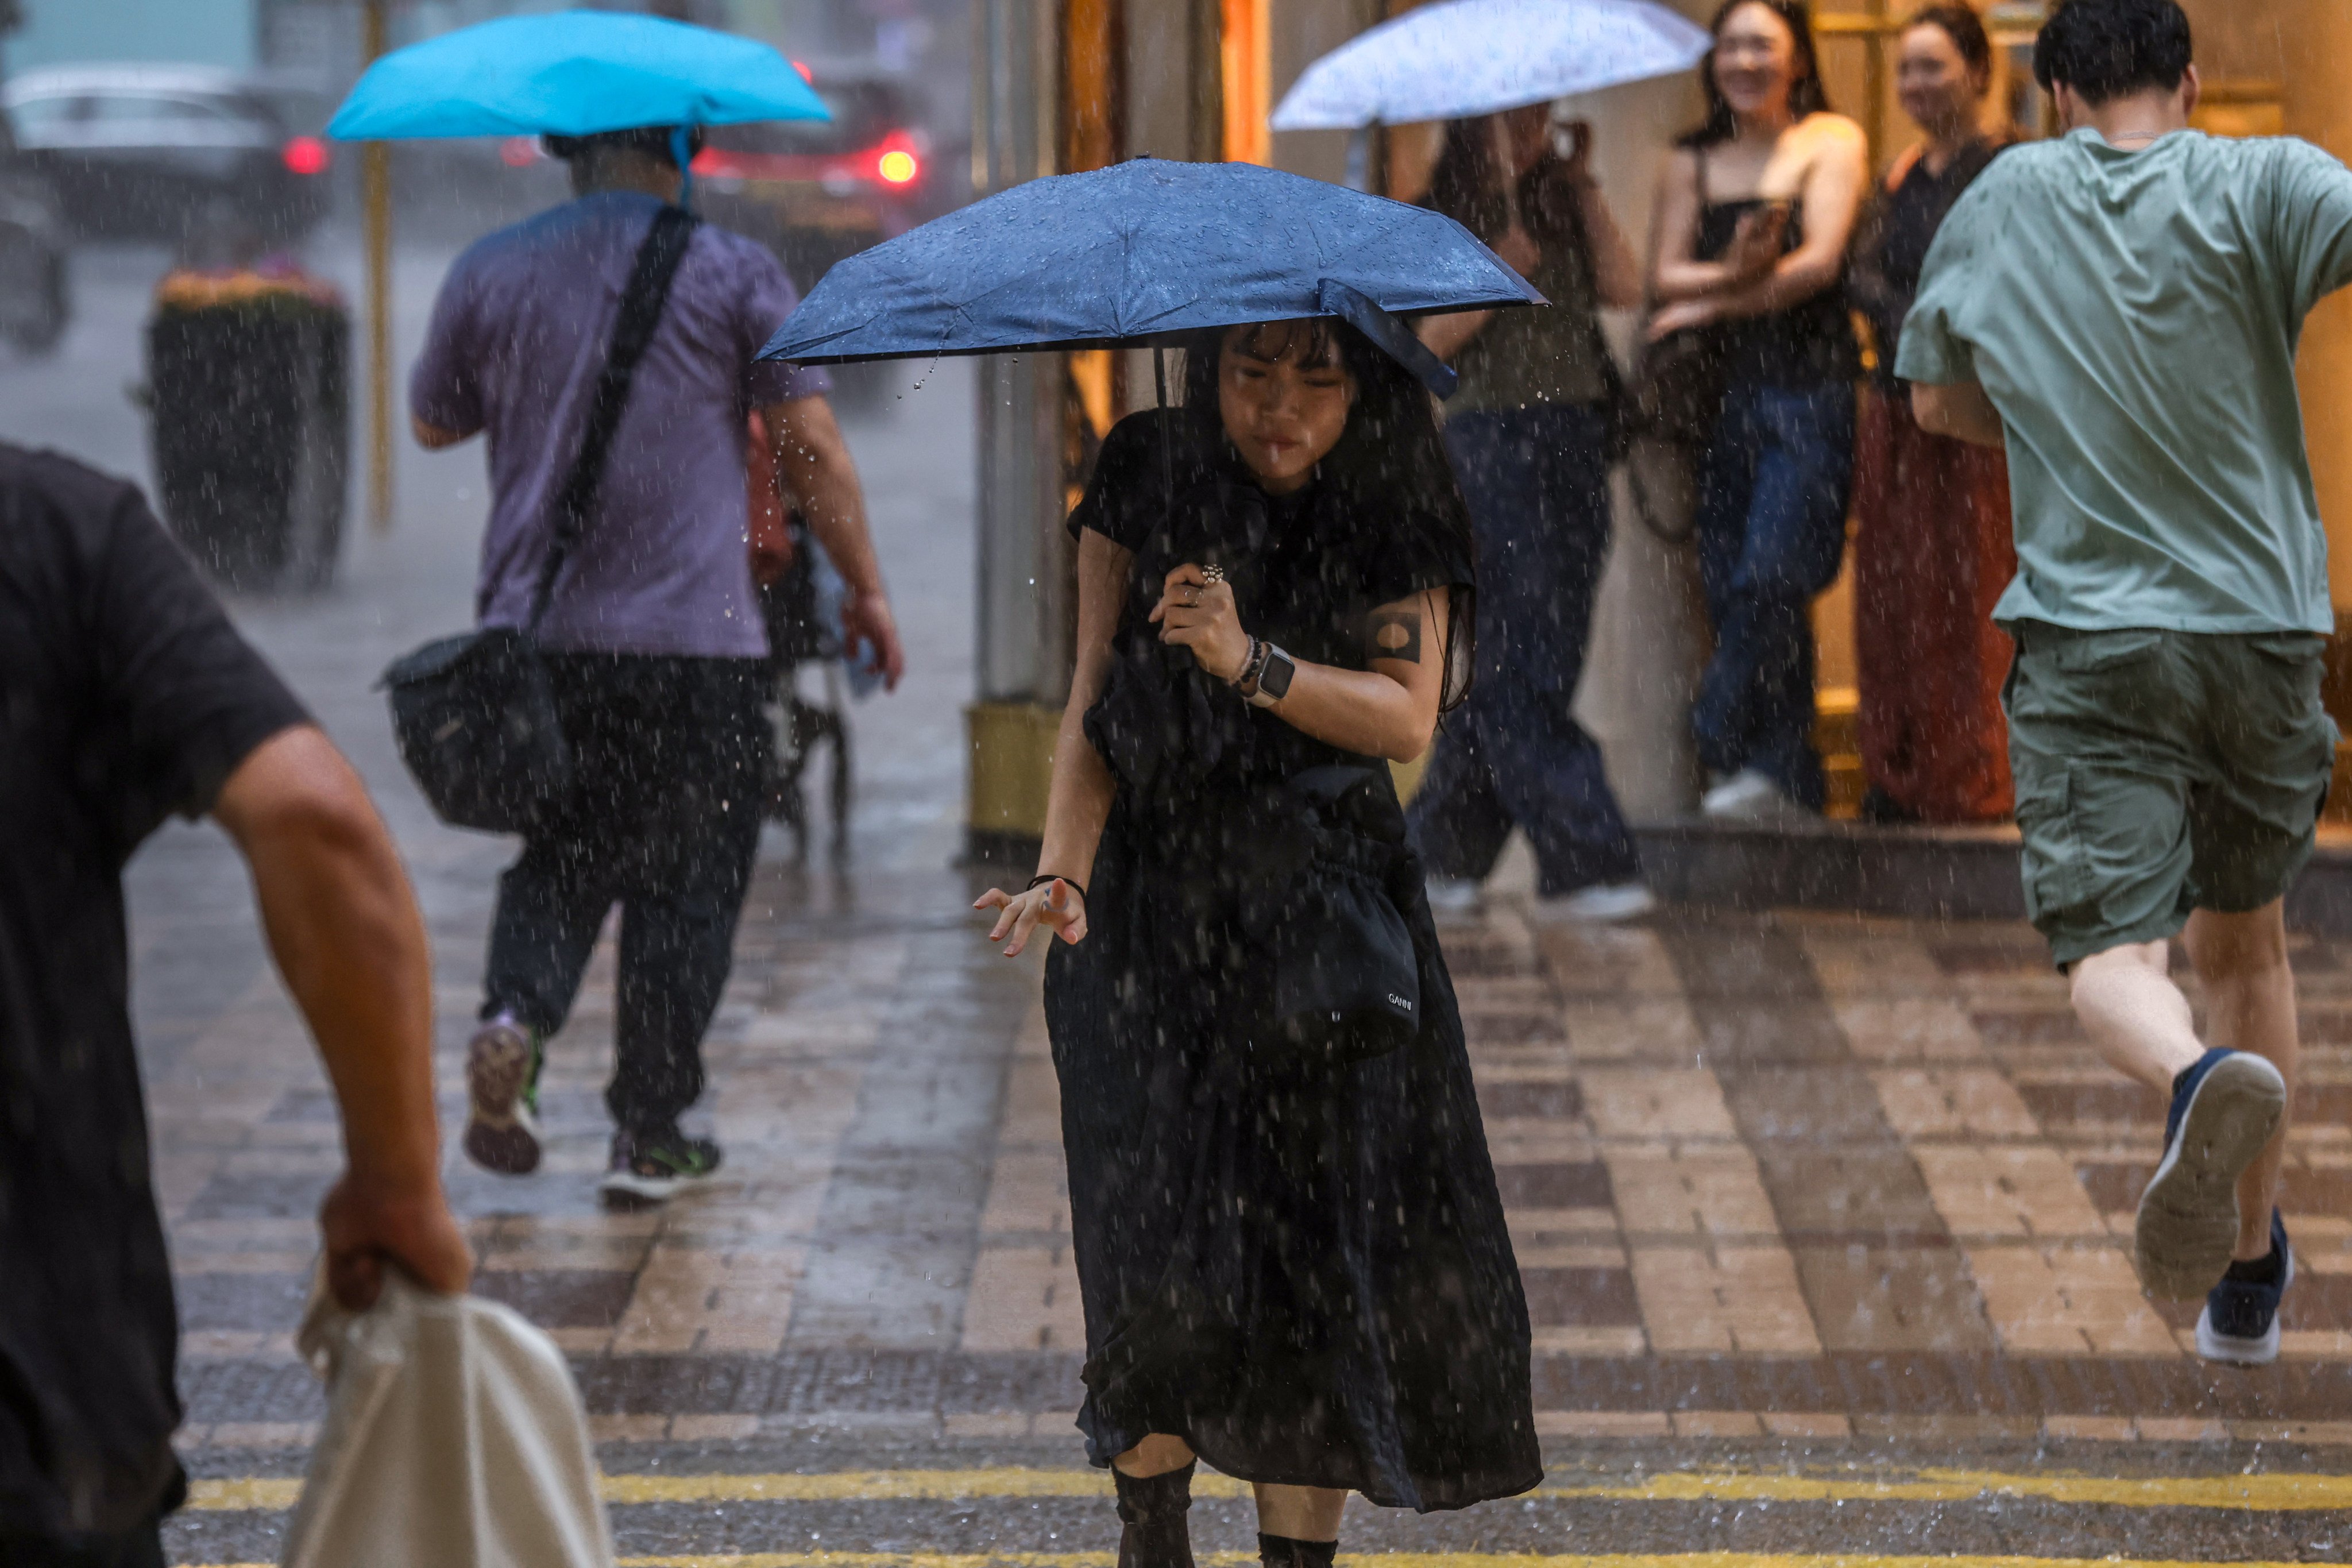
[1143, 251]
[571, 73]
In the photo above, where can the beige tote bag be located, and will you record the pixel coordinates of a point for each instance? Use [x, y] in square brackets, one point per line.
[454, 1438]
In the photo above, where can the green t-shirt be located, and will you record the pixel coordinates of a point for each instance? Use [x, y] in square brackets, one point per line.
[2133, 315]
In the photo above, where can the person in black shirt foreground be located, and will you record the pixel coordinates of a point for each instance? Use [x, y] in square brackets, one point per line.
[1292, 1261]
[126, 695]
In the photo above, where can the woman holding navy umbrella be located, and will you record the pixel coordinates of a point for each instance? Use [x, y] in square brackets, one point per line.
[1289, 1242]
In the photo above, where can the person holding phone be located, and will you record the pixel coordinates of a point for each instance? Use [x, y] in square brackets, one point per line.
[1529, 432]
[1757, 207]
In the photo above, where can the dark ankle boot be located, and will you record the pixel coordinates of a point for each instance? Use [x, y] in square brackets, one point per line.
[1282, 1551]
[1155, 1533]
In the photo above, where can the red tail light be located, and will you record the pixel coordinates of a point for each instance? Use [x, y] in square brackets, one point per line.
[307, 155]
[896, 162]
[519, 151]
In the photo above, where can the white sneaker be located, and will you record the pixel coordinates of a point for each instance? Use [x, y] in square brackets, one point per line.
[1454, 896]
[1749, 795]
[1600, 903]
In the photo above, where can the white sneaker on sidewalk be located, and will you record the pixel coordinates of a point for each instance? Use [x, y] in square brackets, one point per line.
[1454, 896]
[1750, 795]
[1601, 903]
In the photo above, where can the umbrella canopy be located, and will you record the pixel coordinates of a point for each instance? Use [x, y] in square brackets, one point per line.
[1142, 251]
[571, 73]
[1462, 57]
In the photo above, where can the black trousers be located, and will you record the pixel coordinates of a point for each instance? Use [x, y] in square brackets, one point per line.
[671, 764]
[139, 1549]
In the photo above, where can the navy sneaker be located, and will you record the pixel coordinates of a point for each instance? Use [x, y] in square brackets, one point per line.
[2224, 1109]
[651, 1168]
[502, 1064]
[2240, 1323]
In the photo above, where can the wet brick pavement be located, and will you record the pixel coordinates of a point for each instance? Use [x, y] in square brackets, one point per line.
[1814, 1194]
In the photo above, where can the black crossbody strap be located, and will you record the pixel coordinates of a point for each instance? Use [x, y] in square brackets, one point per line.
[641, 308]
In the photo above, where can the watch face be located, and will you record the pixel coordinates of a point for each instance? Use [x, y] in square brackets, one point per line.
[1275, 679]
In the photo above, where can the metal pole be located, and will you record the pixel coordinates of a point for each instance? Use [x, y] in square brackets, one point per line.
[375, 200]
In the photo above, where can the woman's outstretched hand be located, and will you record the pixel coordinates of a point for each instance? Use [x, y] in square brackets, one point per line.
[1057, 905]
[1198, 614]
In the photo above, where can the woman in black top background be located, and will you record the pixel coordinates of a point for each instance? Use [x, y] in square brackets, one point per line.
[1757, 205]
[1301, 1274]
[1933, 546]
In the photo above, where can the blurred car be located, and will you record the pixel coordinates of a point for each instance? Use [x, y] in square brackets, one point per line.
[815, 192]
[34, 303]
[149, 152]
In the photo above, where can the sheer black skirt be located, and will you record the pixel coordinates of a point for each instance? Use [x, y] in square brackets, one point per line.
[1305, 1278]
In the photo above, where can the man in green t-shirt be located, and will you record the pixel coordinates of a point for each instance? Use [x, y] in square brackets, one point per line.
[2118, 308]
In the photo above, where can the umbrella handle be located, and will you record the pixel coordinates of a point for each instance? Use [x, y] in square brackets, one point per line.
[1499, 129]
[681, 150]
[1167, 440]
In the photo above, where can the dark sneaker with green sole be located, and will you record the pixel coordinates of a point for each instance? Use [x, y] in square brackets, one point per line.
[502, 1098]
[651, 1168]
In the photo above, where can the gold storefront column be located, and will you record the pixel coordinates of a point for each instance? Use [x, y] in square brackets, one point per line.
[2317, 68]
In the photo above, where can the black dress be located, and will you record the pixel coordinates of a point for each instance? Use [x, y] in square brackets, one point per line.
[1306, 1276]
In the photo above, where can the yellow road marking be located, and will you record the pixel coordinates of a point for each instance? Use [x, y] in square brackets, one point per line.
[1373, 1560]
[2261, 1493]
[1399, 1560]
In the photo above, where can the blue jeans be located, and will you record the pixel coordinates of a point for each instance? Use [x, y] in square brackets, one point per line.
[1772, 491]
[1537, 479]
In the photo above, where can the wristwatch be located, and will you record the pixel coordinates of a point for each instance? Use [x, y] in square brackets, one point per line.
[1273, 678]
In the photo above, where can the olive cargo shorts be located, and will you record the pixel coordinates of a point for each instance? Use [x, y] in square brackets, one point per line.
[2161, 772]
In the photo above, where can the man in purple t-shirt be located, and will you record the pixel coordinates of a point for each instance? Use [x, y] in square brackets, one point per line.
[654, 635]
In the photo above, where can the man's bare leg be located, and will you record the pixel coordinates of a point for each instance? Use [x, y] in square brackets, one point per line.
[2250, 1006]
[2135, 1015]
[2193, 1218]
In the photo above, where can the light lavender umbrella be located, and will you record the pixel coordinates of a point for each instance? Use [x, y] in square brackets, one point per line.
[1456, 59]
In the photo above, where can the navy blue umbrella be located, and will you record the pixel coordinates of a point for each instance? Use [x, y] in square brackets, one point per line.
[1145, 251]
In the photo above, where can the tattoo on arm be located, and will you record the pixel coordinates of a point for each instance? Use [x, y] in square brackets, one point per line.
[1396, 634]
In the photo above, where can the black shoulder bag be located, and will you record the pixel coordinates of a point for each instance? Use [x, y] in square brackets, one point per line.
[475, 713]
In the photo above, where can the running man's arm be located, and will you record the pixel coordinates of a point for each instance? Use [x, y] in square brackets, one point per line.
[2311, 222]
[1958, 409]
[347, 937]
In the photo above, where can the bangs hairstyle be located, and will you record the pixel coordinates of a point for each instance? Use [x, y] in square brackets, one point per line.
[1390, 462]
[1806, 94]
